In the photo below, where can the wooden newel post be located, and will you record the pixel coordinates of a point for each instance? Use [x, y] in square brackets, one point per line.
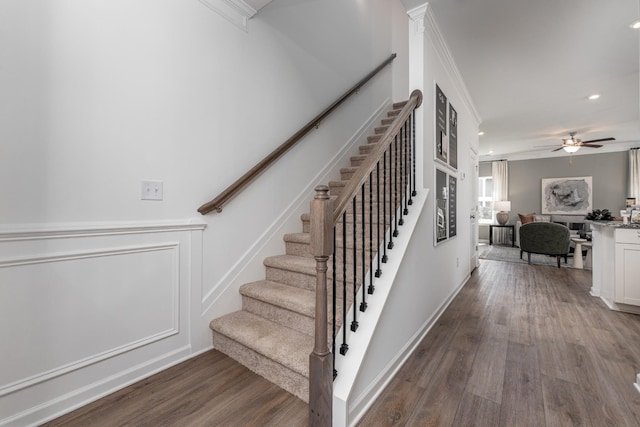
[320, 360]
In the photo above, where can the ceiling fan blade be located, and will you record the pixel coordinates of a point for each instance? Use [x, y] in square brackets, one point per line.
[591, 145]
[557, 149]
[598, 140]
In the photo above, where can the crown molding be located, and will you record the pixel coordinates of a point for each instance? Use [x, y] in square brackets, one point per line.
[417, 15]
[448, 61]
[235, 11]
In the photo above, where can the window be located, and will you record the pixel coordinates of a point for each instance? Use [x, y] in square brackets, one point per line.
[485, 200]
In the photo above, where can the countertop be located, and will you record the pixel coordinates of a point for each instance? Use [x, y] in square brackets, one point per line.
[613, 224]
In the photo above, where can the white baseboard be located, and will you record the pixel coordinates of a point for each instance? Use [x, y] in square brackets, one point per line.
[386, 376]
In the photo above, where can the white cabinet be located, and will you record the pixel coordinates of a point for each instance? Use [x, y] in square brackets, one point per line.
[627, 265]
[616, 266]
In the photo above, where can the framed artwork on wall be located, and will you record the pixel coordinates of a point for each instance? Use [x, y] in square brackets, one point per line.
[441, 215]
[453, 205]
[442, 142]
[453, 137]
[567, 196]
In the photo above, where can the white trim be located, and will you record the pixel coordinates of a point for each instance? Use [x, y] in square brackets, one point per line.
[16, 232]
[235, 11]
[417, 15]
[174, 247]
[449, 64]
[348, 366]
[99, 389]
[383, 379]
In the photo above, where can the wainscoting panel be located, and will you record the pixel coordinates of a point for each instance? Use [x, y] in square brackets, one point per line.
[85, 313]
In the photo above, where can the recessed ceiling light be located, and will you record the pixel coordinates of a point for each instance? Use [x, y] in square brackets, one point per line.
[490, 151]
[635, 24]
[480, 133]
[594, 96]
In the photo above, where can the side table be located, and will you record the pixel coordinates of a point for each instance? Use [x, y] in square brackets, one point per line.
[513, 232]
[577, 252]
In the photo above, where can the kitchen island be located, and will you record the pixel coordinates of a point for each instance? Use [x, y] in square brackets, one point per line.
[616, 265]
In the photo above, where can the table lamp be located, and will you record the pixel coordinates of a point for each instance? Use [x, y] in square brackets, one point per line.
[503, 207]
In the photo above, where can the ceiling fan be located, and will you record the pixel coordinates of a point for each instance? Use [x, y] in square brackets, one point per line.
[573, 144]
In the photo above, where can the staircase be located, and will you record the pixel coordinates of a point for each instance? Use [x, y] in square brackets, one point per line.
[273, 333]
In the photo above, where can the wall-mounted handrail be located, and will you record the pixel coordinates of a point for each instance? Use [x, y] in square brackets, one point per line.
[231, 191]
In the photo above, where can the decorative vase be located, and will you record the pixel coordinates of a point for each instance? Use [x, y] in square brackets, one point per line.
[502, 218]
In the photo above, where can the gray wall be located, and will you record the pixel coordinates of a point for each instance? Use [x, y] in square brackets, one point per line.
[609, 172]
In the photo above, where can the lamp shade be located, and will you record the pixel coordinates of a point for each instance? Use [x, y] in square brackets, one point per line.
[502, 206]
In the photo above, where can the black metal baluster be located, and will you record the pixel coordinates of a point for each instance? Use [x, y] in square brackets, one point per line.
[384, 209]
[371, 288]
[405, 169]
[344, 347]
[393, 226]
[378, 270]
[354, 322]
[335, 301]
[395, 187]
[363, 272]
[413, 142]
[401, 174]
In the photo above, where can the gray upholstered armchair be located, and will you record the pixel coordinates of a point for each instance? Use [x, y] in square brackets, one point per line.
[545, 238]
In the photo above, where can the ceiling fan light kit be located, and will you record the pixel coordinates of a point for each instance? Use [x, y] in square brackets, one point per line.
[573, 144]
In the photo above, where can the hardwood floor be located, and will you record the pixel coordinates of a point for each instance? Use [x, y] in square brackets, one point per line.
[519, 346]
[209, 390]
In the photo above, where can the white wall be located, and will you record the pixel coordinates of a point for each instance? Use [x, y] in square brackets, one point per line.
[98, 95]
[428, 277]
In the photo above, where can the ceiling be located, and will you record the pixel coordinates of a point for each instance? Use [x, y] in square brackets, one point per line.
[529, 67]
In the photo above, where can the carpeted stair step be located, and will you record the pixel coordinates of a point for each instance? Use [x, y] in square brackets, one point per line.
[291, 270]
[298, 244]
[357, 160]
[306, 222]
[278, 353]
[300, 271]
[286, 305]
[380, 130]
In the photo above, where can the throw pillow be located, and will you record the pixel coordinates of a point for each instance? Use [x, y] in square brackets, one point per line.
[527, 218]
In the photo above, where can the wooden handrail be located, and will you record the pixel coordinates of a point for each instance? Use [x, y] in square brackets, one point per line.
[324, 216]
[235, 188]
[369, 163]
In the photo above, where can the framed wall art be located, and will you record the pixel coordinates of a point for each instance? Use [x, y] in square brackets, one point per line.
[442, 142]
[446, 206]
[567, 196]
[453, 137]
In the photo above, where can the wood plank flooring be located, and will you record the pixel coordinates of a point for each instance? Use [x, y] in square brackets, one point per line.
[519, 346]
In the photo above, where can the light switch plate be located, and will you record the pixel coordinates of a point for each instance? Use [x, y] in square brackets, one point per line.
[152, 190]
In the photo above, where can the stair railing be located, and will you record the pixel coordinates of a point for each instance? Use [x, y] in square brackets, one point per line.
[234, 189]
[377, 197]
